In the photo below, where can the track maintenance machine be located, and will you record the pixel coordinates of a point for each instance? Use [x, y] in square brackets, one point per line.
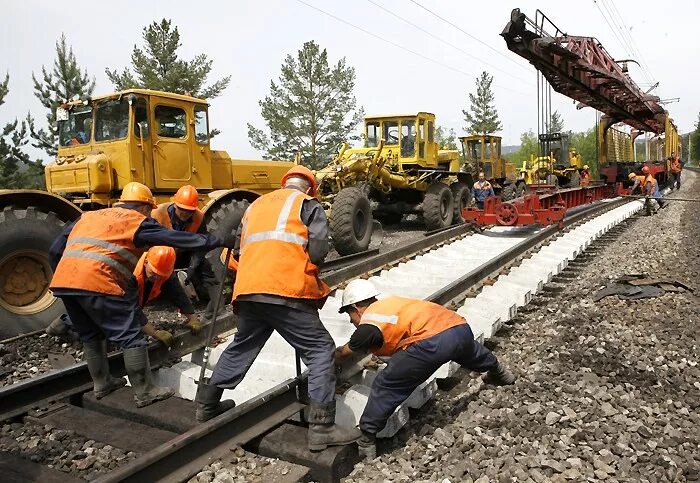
[157, 138]
[400, 170]
[482, 152]
[557, 164]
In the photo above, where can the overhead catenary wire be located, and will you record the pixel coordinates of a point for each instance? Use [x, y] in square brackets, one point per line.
[399, 46]
[627, 31]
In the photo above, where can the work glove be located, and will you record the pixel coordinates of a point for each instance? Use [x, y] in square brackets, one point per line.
[189, 274]
[165, 337]
[194, 325]
[229, 240]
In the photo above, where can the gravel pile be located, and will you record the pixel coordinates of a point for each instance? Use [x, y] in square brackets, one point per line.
[607, 391]
[244, 467]
[27, 357]
[62, 450]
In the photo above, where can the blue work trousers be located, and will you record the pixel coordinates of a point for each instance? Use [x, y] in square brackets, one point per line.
[301, 329]
[407, 369]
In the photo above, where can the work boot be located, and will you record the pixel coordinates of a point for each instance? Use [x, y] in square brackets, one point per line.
[96, 357]
[323, 433]
[367, 446]
[499, 376]
[209, 403]
[138, 368]
[57, 327]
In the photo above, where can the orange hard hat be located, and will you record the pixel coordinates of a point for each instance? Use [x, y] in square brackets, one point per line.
[187, 198]
[302, 172]
[137, 193]
[645, 169]
[161, 260]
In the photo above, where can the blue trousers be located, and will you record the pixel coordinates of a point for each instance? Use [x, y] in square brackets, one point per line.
[302, 330]
[407, 369]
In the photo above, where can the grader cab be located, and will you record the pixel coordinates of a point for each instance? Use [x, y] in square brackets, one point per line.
[400, 170]
[483, 153]
[157, 138]
[557, 164]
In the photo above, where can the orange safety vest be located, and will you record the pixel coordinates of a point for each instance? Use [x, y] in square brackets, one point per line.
[585, 178]
[273, 256]
[100, 254]
[162, 216]
[405, 321]
[140, 274]
[676, 166]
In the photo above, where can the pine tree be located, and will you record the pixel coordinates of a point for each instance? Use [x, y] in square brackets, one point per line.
[556, 123]
[55, 87]
[482, 117]
[16, 169]
[311, 109]
[157, 66]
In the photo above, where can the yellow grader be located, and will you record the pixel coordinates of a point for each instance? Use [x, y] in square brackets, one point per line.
[156, 138]
[400, 170]
[557, 164]
[483, 153]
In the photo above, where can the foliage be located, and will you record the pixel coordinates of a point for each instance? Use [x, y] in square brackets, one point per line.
[64, 81]
[311, 109]
[695, 142]
[157, 66]
[587, 146]
[556, 123]
[482, 117]
[529, 147]
[446, 140]
[16, 169]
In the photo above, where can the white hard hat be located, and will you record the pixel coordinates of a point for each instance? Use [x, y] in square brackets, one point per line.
[585, 166]
[357, 291]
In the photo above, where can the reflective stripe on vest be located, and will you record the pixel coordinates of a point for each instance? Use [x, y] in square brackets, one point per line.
[280, 232]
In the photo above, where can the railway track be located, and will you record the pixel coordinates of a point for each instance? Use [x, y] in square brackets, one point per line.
[445, 267]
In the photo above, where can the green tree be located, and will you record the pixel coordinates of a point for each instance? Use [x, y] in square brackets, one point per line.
[528, 147]
[56, 86]
[311, 109]
[586, 145]
[157, 66]
[16, 169]
[482, 117]
[695, 142]
[556, 123]
[446, 140]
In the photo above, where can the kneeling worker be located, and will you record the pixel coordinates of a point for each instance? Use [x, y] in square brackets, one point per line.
[419, 336]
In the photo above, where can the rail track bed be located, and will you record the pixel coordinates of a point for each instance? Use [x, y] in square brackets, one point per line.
[466, 273]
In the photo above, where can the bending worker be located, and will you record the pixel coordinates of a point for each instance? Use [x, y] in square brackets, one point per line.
[93, 261]
[482, 189]
[419, 336]
[153, 274]
[281, 242]
[184, 215]
[585, 176]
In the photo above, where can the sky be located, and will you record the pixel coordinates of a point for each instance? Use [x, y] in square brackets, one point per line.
[428, 66]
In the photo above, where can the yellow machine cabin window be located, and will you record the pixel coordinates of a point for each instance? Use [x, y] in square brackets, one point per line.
[472, 150]
[488, 151]
[201, 125]
[171, 122]
[141, 118]
[391, 132]
[112, 120]
[408, 139]
[373, 135]
[421, 139]
[76, 126]
[431, 132]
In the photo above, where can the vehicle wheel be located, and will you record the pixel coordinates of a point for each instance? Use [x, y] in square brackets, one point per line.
[521, 189]
[351, 221]
[575, 179]
[388, 218]
[438, 206]
[221, 220]
[508, 192]
[26, 234]
[462, 197]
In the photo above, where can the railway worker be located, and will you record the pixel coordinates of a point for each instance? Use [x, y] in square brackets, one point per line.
[93, 261]
[585, 176]
[419, 337]
[481, 190]
[183, 214]
[281, 242]
[651, 186]
[676, 168]
[153, 275]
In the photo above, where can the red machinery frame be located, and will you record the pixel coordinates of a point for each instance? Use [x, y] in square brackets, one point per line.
[545, 207]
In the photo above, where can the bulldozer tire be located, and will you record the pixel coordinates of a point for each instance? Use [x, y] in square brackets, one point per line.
[508, 192]
[521, 189]
[575, 180]
[26, 305]
[387, 219]
[462, 197]
[222, 220]
[553, 180]
[438, 206]
[351, 221]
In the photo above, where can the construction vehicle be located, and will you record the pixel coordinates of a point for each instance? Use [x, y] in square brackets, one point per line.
[400, 170]
[557, 163]
[483, 153]
[156, 138]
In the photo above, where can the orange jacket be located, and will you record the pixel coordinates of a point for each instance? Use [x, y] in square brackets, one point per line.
[405, 321]
[676, 166]
[585, 178]
[162, 216]
[100, 254]
[273, 258]
[140, 275]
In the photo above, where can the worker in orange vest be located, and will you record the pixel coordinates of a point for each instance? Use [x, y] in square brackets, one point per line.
[93, 261]
[676, 168]
[153, 275]
[585, 176]
[183, 214]
[281, 243]
[419, 337]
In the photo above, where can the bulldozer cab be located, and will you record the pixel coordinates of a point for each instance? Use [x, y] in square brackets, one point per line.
[483, 152]
[557, 146]
[409, 140]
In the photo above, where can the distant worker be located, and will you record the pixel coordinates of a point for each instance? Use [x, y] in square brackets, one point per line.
[419, 336]
[93, 260]
[585, 176]
[153, 275]
[482, 189]
[676, 168]
[183, 214]
[83, 136]
[281, 243]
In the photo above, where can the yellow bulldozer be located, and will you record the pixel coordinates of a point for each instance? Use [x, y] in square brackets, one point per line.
[400, 170]
[557, 164]
[156, 138]
[482, 152]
